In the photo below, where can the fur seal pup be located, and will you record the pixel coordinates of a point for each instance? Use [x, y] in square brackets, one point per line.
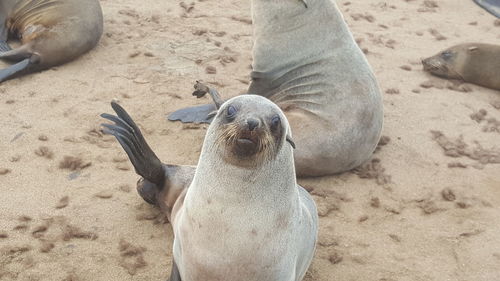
[472, 62]
[307, 62]
[240, 214]
[52, 32]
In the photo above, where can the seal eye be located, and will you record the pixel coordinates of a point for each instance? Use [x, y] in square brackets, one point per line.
[446, 55]
[231, 112]
[275, 122]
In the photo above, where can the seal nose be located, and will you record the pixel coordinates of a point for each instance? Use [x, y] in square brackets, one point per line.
[252, 123]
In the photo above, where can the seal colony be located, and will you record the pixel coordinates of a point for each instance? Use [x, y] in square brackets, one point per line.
[306, 61]
[52, 32]
[240, 214]
[472, 62]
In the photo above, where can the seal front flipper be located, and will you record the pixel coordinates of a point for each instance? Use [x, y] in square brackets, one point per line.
[144, 160]
[492, 6]
[15, 70]
[174, 275]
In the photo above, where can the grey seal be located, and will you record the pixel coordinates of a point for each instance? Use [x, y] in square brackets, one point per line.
[239, 214]
[306, 61]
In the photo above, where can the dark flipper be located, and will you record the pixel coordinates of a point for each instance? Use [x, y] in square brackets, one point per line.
[202, 89]
[174, 275]
[4, 47]
[4, 32]
[202, 113]
[195, 114]
[18, 54]
[492, 6]
[15, 70]
[145, 162]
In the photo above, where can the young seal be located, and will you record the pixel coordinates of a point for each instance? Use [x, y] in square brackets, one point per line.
[52, 32]
[307, 62]
[240, 214]
[472, 62]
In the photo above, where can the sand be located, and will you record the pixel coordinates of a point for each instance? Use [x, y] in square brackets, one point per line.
[427, 207]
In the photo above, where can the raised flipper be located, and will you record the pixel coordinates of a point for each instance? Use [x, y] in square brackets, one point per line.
[174, 274]
[492, 6]
[144, 160]
[201, 113]
[15, 70]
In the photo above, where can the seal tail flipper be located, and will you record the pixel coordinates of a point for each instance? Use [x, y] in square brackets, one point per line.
[492, 6]
[17, 54]
[15, 70]
[174, 274]
[202, 113]
[144, 160]
[195, 114]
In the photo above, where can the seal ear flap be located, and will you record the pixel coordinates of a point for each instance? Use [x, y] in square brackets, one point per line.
[290, 141]
[473, 48]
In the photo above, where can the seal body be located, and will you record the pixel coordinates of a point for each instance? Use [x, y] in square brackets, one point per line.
[51, 32]
[306, 61]
[245, 222]
[471, 62]
[240, 214]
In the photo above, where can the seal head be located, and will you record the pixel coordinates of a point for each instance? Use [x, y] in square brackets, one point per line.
[443, 64]
[246, 137]
[476, 63]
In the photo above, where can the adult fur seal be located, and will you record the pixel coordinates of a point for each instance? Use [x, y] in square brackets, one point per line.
[472, 62]
[240, 214]
[307, 62]
[52, 32]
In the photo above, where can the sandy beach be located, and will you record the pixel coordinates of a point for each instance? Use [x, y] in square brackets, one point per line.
[425, 208]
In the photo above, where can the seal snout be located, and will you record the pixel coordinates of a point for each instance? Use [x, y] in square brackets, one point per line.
[252, 123]
[432, 65]
[248, 140]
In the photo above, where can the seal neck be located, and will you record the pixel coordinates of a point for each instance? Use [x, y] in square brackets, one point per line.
[273, 180]
[287, 34]
[288, 16]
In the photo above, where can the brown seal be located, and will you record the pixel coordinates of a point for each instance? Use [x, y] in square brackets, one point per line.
[240, 214]
[52, 32]
[472, 62]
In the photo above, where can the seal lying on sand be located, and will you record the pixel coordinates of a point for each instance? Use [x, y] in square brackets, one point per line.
[306, 61]
[240, 214]
[52, 32]
[472, 62]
